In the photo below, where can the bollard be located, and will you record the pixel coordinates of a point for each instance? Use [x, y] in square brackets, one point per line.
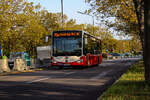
[33, 65]
[1, 71]
[20, 65]
[4, 65]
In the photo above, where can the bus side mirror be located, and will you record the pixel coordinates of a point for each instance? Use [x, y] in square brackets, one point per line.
[46, 39]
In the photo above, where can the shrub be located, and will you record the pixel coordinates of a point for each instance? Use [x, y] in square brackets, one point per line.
[104, 55]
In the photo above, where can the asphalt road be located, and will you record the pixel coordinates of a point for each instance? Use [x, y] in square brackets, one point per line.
[63, 84]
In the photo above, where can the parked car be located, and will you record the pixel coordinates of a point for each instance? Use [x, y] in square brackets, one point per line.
[126, 55]
[115, 55]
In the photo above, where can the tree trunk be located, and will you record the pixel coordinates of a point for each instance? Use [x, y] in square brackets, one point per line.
[147, 40]
[140, 17]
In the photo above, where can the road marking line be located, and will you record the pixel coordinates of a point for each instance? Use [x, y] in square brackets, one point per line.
[69, 73]
[42, 79]
[38, 80]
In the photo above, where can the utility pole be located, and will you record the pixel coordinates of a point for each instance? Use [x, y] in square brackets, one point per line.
[62, 14]
[93, 24]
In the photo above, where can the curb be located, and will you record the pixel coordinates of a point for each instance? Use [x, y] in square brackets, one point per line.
[18, 72]
[114, 81]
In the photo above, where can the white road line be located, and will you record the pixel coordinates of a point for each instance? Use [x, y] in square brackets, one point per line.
[38, 80]
[46, 78]
[66, 74]
[100, 75]
[70, 73]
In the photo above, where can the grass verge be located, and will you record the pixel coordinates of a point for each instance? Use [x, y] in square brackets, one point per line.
[131, 86]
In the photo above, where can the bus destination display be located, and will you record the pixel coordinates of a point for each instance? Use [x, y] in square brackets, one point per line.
[66, 34]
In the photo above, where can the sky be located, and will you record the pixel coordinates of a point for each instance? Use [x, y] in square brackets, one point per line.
[70, 9]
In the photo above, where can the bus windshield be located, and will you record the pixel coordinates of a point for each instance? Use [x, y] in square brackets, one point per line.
[67, 46]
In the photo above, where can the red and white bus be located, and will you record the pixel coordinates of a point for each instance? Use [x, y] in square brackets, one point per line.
[75, 48]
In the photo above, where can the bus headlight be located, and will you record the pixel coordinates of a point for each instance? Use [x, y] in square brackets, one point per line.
[54, 61]
[79, 61]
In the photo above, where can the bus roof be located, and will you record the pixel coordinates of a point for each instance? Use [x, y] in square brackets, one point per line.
[84, 32]
[67, 31]
[98, 38]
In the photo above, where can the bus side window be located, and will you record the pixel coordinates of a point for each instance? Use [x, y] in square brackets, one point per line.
[85, 46]
[80, 43]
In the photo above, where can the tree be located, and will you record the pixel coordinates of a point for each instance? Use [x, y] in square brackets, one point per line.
[130, 16]
[20, 26]
[147, 40]
[8, 22]
[70, 24]
[122, 10]
[49, 21]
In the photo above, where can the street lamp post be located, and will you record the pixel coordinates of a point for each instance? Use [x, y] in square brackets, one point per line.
[93, 24]
[88, 15]
[62, 14]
